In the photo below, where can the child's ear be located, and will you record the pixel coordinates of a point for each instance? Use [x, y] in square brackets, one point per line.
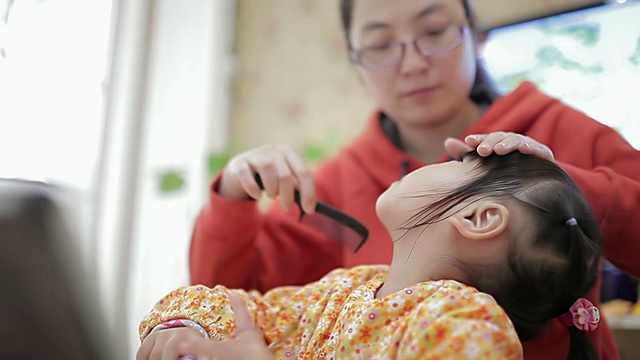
[481, 220]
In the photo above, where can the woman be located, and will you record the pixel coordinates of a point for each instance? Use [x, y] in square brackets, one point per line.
[419, 62]
[462, 230]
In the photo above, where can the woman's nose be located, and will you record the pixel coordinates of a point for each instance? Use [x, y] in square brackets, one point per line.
[413, 61]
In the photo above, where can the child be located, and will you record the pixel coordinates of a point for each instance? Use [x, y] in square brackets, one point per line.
[487, 251]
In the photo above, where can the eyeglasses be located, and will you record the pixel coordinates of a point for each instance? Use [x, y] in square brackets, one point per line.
[433, 42]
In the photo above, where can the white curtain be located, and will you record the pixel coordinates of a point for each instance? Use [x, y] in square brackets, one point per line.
[167, 108]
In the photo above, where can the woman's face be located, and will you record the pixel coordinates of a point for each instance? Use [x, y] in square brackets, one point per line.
[406, 197]
[419, 90]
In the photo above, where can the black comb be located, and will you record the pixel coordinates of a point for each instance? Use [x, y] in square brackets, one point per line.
[336, 224]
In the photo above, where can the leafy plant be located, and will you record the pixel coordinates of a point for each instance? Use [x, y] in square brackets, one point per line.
[171, 182]
[314, 153]
[217, 161]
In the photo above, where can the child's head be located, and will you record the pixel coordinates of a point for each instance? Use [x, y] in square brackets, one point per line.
[513, 226]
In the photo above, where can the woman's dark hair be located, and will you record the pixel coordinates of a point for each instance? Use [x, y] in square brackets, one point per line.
[547, 268]
[482, 91]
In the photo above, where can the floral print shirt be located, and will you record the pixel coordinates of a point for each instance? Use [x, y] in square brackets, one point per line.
[339, 317]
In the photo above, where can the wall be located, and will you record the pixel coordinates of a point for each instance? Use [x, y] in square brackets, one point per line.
[294, 82]
[495, 13]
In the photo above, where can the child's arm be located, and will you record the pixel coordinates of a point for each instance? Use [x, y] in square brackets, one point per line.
[186, 344]
[210, 309]
[197, 305]
[277, 312]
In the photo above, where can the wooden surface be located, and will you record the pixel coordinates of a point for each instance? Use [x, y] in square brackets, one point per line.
[628, 343]
[626, 330]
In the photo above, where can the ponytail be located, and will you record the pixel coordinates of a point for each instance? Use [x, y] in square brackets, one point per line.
[583, 316]
[580, 347]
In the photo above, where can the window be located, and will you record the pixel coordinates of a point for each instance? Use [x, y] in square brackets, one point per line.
[590, 59]
[53, 59]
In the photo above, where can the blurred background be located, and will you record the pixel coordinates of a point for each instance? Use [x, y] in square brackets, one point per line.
[131, 107]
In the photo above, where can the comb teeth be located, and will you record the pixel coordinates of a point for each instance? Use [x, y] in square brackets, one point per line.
[336, 224]
[342, 233]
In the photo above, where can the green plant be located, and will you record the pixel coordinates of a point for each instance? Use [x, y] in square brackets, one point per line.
[171, 181]
[216, 162]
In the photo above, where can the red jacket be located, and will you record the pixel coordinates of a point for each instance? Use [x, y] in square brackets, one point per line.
[234, 244]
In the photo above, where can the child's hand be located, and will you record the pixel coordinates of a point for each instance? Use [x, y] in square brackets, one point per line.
[248, 342]
[165, 344]
[498, 142]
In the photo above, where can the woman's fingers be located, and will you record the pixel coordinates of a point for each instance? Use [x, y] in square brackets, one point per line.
[304, 180]
[281, 171]
[487, 145]
[286, 182]
[246, 178]
[503, 143]
[456, 147]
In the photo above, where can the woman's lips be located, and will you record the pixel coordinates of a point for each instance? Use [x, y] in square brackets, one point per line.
[421, 93]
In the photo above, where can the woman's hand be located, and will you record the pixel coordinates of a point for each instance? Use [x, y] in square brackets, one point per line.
[500, 143]
[248, 342]
[281, 170]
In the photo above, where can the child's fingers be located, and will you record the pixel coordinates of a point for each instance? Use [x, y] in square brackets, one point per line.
[249, 342]
[244, 321]
[144, 352]
[201, 349]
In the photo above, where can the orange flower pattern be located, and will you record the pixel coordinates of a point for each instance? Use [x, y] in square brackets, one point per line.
[339, 317]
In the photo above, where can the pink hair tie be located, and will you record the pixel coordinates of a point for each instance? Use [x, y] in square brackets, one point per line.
[583, 315]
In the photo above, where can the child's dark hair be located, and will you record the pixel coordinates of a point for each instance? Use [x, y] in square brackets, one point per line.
[482, 92]
[547, 268]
